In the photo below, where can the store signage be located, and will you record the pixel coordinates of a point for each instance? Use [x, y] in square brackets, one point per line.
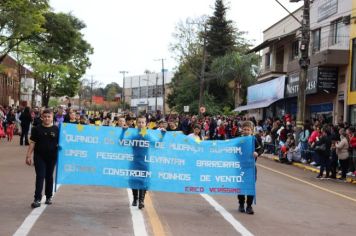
[270, 90]
[326, 9]
[292, 86]
[327, 79]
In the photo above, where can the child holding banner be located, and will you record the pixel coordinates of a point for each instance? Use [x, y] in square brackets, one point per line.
[139, 185]
[44, 146]
[247, 129]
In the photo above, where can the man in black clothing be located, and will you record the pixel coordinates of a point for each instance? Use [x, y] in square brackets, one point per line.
[44, 146]
[26, 120]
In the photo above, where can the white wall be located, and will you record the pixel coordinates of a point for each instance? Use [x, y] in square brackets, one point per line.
[285, 26]
[147, 79]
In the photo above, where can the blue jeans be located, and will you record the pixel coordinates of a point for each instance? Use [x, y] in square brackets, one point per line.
[303, 149]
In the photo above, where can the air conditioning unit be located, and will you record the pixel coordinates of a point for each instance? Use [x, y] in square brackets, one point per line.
[346, 20]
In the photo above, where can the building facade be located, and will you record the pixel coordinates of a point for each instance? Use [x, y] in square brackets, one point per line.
[329, 52]
[144, 92]
[15, 83]
[351, 95]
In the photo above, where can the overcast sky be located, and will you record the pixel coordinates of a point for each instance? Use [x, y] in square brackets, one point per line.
[130, 34]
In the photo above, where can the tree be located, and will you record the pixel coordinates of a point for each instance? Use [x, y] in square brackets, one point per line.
[61, 56]
[111, 90]
[237, 71]
[222, 38]
[188, 43]
[221, 34]
[19, 21]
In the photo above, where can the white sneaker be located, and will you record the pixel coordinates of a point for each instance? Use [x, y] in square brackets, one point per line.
[304, 161]
[313, 163]
[349, 174]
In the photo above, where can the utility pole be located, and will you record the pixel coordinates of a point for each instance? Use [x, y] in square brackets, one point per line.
[163, 89]
[123, 89]
[202, 72]
[156, 93]
[91, 89]
[304, 62]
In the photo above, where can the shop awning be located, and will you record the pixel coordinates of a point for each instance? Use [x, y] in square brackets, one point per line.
[256, 105]
[270, 41]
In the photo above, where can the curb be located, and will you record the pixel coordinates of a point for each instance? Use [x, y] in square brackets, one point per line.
[305, 167]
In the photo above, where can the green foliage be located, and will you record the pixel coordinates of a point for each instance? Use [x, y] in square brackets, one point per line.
[185, 90]
[235, 71]
[19, 21]
[221, 34]
[53, 102]
[226, 66]
[60, 56]
[111, 90]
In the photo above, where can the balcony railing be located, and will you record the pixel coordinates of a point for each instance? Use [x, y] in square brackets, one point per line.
[272, 68]
[331, 42]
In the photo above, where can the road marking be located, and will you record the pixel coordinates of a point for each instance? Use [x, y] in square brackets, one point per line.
[227, 216]
[31, 219]
[138, 221]
[308, 183]
[156, 224]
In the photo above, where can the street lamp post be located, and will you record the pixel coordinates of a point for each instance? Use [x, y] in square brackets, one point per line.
[163, 89]
[123, 89]
[156, 93]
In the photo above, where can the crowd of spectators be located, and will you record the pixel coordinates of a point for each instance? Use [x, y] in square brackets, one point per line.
[330, 147]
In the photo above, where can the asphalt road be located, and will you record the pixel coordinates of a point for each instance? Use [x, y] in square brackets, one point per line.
[290, 201]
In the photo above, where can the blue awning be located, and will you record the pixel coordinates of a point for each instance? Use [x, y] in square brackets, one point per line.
[255, 105]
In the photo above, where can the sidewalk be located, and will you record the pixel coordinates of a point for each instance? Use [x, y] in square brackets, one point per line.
[349, 179]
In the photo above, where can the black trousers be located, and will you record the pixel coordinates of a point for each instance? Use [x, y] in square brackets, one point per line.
[249, 197]
[344, 164]
[24, 135]
[242, 199]
[139, 194]
[44, 167]
[324, 164]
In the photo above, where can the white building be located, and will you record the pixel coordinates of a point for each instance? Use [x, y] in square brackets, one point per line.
[145, 92]
[329, 54]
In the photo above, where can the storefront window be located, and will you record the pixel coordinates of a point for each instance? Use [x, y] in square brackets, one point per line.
[322, 112]
[353, 66]
[353, 115]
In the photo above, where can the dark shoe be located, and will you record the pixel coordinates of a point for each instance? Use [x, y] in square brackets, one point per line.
[141, 205]
[134, 202]
[241, 208]
[36, 204]
[319, 177]
[249, 210]
[48, 201]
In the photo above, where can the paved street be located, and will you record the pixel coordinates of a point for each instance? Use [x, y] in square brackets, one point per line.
[290, 201]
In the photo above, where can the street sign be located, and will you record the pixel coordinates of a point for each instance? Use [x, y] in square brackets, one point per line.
[186, 108]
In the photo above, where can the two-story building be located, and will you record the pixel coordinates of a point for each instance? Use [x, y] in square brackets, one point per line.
[351, 95]
[329, 59]
[145, 92]
[15, 83]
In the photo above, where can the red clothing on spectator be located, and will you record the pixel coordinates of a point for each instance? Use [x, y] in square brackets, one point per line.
[221, 131]
[315, 134]
[353, 142]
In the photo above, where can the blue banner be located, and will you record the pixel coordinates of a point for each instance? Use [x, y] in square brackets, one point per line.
[154, 160]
